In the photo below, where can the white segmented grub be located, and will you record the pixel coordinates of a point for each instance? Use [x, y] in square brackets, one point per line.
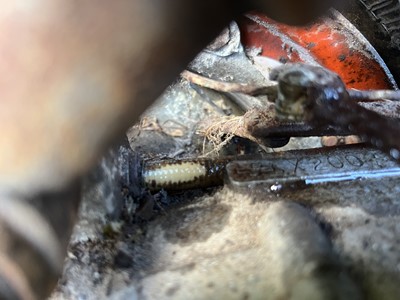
[175, 173]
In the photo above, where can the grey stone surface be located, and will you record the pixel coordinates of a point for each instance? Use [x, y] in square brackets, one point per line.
[369, 245]
[232, 245]
[303, 254]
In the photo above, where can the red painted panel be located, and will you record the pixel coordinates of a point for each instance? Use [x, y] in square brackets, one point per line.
[328, 42]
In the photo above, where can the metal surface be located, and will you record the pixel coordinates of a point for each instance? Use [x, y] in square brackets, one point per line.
[332, 42]
[385, 12]
[357, 63]
[306, 167]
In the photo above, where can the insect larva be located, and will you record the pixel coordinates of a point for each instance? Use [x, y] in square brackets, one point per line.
[184, 174]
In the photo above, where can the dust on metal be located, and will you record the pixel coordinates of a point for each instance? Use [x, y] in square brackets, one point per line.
[311, 167]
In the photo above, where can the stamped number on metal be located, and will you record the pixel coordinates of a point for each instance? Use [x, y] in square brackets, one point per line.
[311, 167]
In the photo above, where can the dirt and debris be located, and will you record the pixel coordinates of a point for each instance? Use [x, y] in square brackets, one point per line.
[334, 240]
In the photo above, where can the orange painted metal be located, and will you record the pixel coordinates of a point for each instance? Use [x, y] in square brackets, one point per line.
[331, 42]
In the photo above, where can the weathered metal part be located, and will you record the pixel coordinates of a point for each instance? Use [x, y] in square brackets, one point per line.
[380, 26]
[302, 87]
[294, 12]
[323, 100]
[296, 168]
[231, 68]
[332, 42]
[263, 123]
[264, 126]
[285, 129]
[386, 12]
[233, 88]
[374, 95]
[307, 167]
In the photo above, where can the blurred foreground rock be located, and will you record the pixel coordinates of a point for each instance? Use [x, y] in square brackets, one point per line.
[77, 74]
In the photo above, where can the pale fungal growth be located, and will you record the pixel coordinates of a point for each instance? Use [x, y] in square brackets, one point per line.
[183, 174]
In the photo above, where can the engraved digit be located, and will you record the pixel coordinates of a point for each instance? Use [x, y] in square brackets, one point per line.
[296, 166]
[295, 163]
[375, 160]
[317, 164]
[242, 172]
[335, 162]
[354, 160]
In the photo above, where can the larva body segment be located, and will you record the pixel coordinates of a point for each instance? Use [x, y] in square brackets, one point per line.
[183, 174]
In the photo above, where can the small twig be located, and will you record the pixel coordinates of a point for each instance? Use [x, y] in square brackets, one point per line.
[226, 87]
[234, 87]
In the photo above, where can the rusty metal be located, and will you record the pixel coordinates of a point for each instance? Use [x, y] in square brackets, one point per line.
[299, 129]
[320, 98]
[352, 51]
[356, 62]
[332, 42]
